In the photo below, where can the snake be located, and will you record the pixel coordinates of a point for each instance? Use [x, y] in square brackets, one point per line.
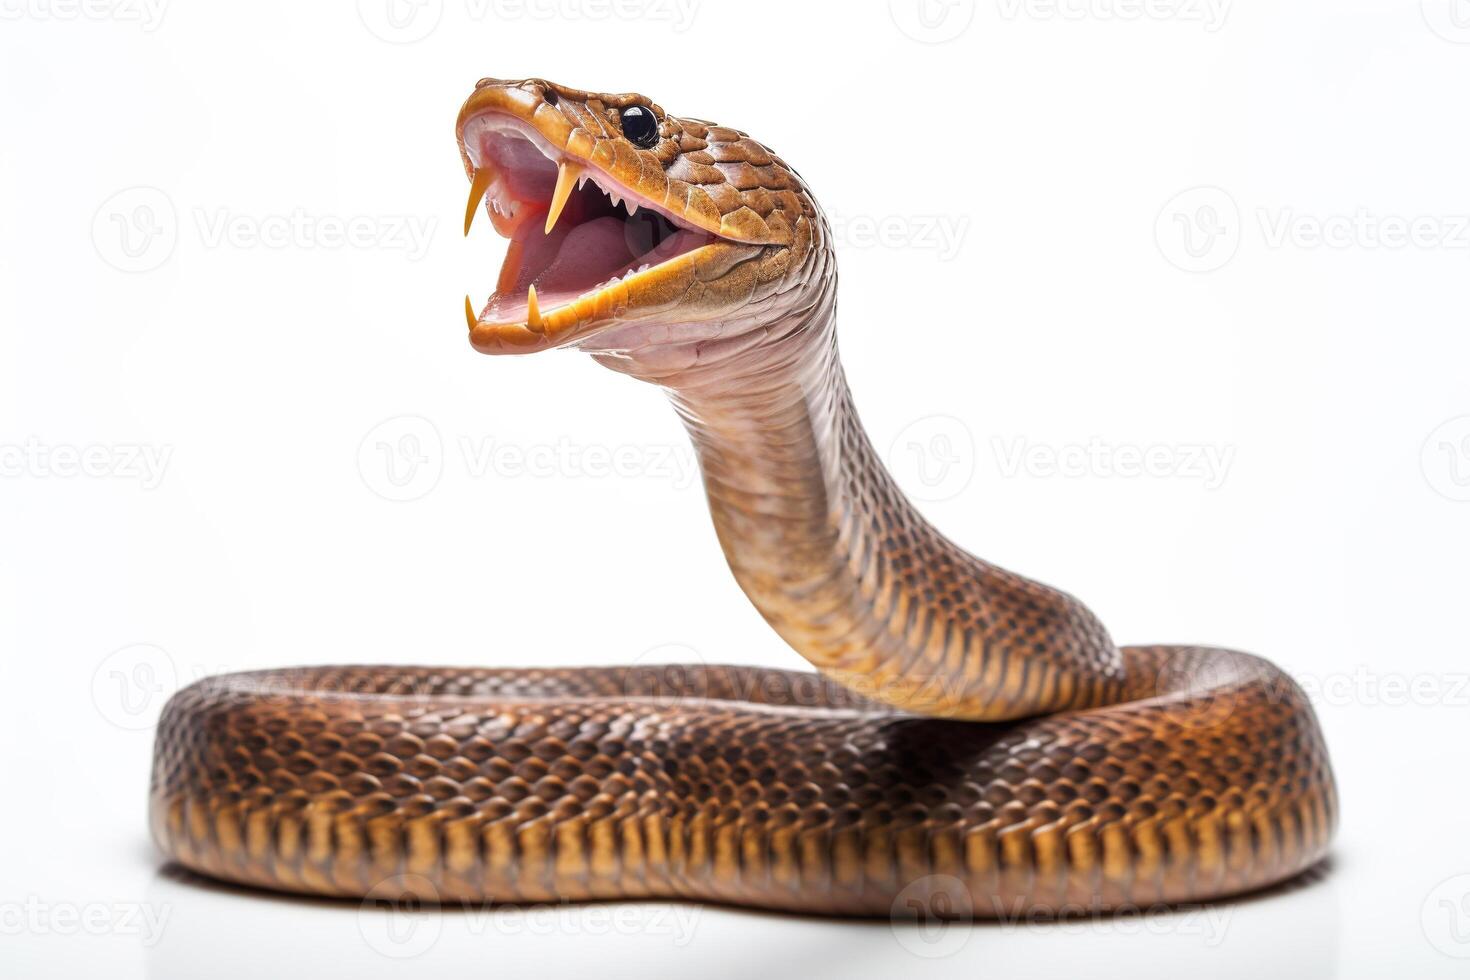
[971, 743]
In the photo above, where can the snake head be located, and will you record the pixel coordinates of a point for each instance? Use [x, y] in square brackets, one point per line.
[630, 230]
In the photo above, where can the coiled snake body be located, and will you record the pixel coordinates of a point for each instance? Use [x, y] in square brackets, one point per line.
[971, 735]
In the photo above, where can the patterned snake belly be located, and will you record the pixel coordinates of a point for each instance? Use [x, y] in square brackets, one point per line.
[971, 735]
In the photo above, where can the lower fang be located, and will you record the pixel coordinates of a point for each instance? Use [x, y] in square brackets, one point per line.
[533, 312]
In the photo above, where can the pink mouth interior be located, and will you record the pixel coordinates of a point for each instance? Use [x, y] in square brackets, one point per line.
[594, 242]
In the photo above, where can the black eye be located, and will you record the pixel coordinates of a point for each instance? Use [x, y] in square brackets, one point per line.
[640, 126]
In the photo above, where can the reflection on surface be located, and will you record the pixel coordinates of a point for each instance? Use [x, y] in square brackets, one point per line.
[227, 932]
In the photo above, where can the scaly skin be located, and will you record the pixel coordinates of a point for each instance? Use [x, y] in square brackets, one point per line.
[975, 746]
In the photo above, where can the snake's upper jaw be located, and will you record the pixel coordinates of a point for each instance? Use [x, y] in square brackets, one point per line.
[586, 250]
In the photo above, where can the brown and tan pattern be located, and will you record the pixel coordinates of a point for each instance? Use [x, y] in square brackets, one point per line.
[971, 733]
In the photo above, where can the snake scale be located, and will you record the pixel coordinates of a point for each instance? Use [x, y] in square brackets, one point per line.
[973, 742]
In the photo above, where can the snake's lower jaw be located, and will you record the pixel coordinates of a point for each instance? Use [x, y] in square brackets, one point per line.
[529, 324]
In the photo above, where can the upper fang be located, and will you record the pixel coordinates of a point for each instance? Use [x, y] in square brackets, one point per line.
[566, 176]
[478, 186]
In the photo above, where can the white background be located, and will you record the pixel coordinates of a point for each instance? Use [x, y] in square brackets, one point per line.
[1069, 233]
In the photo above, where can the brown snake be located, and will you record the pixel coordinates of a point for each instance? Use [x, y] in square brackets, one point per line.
[972, 735]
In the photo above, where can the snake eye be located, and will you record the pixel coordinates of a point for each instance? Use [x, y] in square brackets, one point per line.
[640, 126]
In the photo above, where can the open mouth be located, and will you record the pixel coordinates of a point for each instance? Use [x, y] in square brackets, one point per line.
[578, 237]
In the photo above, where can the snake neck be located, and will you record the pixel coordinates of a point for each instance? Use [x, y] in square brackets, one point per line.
[838, 561]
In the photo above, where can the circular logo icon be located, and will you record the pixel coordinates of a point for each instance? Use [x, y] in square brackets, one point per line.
[1450, 19]
[136, 229]
[673, 671]
[933, 458]
[400, 916]
[401, 459]
[1445, 459]
[1199, 229]
[932, 916]
[1445, 917]
[130, 686]
[1214, 685]
[932, 21]
[400, 21]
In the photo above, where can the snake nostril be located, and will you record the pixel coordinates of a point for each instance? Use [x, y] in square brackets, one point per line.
[550, 96]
